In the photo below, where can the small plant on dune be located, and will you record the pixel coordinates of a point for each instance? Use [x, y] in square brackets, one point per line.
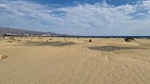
[40, 39]
[2, 56]
[28, 40]
[65, 40]
[19, 40]
[10, 41]
[90, 40]
[129, 39]
[12, 38]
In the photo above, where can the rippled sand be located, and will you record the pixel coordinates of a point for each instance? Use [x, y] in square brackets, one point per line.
[74, 61]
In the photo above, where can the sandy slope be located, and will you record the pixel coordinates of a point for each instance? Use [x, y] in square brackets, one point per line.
[75, 61]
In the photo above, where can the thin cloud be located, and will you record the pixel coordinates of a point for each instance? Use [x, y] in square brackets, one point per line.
[82, 19]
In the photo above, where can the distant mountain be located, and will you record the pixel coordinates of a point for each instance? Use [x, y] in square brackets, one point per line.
[4, 30]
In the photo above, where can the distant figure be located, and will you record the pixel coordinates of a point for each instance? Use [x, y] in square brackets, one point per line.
[90, 40]
[129, 39]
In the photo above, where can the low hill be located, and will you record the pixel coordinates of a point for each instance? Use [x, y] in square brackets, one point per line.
[4, 30]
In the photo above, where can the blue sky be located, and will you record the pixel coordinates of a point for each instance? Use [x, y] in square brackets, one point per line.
[78, 17]
[72, 2]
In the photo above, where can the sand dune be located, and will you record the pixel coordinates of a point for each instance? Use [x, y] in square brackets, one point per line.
[75, 61]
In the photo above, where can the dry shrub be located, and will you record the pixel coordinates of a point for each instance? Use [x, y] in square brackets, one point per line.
[3, 57]
[90, 40]
[129, 39]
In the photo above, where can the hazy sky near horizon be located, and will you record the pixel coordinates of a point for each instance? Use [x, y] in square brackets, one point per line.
[78, 17]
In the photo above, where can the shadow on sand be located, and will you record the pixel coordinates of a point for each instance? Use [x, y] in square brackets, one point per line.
[112, 48]
[56, 43]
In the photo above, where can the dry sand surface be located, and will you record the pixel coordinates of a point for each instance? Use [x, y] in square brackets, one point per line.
[33, 60]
